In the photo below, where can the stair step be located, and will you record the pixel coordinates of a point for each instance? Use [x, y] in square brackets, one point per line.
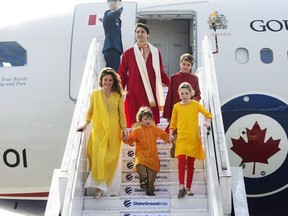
[183, 212]
[163, 176]
[163, 151]
[160, 212]
[161, 188]
[140, 203]
[165, 164]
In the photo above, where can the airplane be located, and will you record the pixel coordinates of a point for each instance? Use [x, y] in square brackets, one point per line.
[41, 64]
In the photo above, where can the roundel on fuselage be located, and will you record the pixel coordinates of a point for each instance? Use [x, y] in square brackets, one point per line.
[256, 128]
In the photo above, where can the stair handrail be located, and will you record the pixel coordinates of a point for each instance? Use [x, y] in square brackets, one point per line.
[227, 178]
[92, 69]
[215, 205]
[64, 178]
[210, 92]
[214, 99]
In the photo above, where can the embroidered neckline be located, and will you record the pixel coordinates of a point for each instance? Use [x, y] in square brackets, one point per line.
[107, 103]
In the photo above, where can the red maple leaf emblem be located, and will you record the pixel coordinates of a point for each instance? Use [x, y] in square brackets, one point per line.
[255, 150]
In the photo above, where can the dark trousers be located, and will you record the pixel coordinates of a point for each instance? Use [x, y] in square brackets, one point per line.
[112, 58]
[148, 174]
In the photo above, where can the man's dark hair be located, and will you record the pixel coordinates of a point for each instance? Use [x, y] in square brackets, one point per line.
[144, 26]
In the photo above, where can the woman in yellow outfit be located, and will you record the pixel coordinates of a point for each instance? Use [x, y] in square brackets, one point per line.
[106, 111]
[188, 144]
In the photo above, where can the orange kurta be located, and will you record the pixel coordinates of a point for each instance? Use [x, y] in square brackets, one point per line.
[146, 152]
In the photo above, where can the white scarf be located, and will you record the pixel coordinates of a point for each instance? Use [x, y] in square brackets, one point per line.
[145, 78]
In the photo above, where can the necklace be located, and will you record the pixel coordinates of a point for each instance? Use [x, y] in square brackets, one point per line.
[144, 49]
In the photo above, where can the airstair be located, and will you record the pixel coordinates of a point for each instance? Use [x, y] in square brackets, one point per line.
[218, 188]
[133, 201]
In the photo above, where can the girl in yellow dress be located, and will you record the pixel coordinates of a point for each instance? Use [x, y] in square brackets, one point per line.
[106, 111]
[188, 144]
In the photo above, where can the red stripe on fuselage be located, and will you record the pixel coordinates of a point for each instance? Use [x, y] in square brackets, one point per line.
[39, 194]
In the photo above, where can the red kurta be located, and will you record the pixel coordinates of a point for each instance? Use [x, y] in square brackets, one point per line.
[136, 94]
[172, 94]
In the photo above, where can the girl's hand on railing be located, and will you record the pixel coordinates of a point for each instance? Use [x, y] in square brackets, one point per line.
[207, 123]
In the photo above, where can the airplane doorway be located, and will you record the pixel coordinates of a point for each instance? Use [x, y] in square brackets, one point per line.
[173, 34]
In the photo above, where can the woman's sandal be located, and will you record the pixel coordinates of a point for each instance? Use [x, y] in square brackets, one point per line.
[97, 194]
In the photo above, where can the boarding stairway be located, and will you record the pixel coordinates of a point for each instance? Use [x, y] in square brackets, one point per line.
[133, 201]
[218, 188]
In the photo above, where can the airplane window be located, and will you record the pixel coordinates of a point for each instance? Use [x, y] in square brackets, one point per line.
[12, 54]
[266, 55]
[242, 55]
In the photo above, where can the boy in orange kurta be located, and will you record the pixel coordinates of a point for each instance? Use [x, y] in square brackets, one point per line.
[147, 162]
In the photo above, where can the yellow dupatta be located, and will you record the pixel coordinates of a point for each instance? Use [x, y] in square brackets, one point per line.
[99, 138]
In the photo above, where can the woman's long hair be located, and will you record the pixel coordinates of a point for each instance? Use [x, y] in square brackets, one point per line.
[117, 86]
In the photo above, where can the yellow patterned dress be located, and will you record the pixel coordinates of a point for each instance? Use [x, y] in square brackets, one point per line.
[108, 117]
[185, 120]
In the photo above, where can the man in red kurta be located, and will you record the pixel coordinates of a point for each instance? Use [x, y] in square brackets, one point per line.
[142, 77]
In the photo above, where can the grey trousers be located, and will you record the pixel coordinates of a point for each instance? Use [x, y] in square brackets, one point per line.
[145, 173]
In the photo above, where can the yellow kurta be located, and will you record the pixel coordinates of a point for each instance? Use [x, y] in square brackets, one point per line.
[146, 152]
[185, 120]
[107, 116]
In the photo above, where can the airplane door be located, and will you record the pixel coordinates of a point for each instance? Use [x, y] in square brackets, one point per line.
[160, 40]
[171, 37]
[177, 47]
[86, 26]
[172, 45]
